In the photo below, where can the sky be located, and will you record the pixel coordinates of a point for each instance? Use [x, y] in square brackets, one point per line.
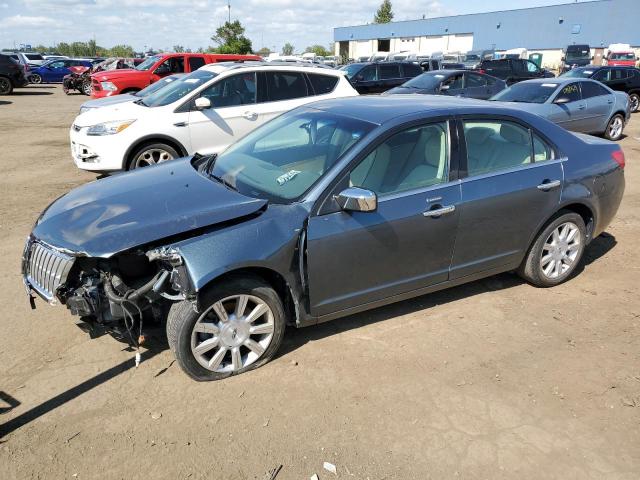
[161, 24]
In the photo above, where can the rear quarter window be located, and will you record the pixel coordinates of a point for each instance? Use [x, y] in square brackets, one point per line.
[389, 71]
[195, 63]
[411, 70]
[322, 84]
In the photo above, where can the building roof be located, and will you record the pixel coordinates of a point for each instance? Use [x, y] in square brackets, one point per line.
[597, 23]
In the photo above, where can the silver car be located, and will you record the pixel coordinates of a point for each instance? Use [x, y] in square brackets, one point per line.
[129, 97]
[579, 105]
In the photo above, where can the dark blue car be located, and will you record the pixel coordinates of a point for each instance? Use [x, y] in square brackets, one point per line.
[55, 70]
[330, 209]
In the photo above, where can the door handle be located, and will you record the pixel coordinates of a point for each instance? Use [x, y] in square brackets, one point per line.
[180, 124]
[582, 107]
[549, 185]
[250, 115]
[437, 212]
[609, 102]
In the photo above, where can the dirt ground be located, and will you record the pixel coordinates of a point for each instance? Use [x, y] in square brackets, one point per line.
[495, 379]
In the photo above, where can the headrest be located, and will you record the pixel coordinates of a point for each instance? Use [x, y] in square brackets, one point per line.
[514, 134]
[478, 134]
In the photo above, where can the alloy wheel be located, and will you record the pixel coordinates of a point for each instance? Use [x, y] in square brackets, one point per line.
[152, 156]
[560, 250]
[5, 86]
[35, 78]
[233, 333]
[614, 130]
[635, 102]
[86, 88]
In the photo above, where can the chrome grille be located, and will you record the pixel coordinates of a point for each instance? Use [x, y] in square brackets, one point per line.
[47, 269]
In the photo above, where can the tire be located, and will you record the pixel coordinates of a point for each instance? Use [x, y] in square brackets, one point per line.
[634, 102]
[86, 87]
[226, 338]
[6, 88]
[150, 154]
[535, 269]
[35, 78]
[614, 128]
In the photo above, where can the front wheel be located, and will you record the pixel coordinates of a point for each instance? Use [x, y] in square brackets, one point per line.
[634, 102]
[35, 78]
[556, 252]
[151, 154]
[240, 327]
[614, 128]
[86, 87]
[5, 86]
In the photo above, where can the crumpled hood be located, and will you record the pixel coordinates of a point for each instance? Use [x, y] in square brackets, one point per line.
[114, 214]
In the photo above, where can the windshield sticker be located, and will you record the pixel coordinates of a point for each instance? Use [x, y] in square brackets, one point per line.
[191, 80]
[550, 85]
[569, 89]
[290, 175]
[588, 72]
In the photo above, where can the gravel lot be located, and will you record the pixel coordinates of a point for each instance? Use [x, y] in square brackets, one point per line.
[495, 379]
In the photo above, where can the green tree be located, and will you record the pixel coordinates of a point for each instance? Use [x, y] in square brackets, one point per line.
[230, 39]
[384, 13]
[318, 50]
[178, 49]
[288, 49]
[263, 52]
[121, 51]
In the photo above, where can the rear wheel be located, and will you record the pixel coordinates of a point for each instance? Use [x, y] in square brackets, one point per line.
[35, 78]
[240, 327]
[634, 102]
[151, 154]
[5, 86]
[614, 128]
[556, 252]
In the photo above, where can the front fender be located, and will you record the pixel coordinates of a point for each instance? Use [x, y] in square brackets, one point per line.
[266, 241]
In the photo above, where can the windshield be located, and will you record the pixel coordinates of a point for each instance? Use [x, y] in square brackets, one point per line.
[427, 81]
[471, 57]
[351, 69]
[148, 63]
[174, 91]
[154, 87]
[281, 160]
[622, 56]
[34, 56]
[579, 73]
[527, 93]
[578, 54]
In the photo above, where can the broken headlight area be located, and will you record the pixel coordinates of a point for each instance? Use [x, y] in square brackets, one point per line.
[124, 291]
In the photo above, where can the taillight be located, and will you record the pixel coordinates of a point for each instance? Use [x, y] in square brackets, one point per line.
[618, 157]
[482, 71]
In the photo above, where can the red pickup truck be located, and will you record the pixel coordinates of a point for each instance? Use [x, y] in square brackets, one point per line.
[107, 84]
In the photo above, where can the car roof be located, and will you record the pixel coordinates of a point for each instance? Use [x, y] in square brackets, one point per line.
[381, 109]
[558, 80]
[223, 67]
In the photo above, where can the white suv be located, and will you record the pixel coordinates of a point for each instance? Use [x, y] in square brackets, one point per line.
[203, 112]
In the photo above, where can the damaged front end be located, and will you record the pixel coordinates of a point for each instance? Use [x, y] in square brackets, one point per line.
[117, 294]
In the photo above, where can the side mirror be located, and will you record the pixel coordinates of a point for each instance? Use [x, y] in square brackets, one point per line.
[562, 100]
[356, 199]
[562, 59]
[359, 78]
[202, 103]
[444, 88]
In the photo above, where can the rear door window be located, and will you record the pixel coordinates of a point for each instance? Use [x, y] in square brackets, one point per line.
[285, 86]
[592, 89]
[603, 75]
[369, 74]
[322, 84]
[195, 63]
[494, 145]
[389, 71]
[475, 80]
[411, 70]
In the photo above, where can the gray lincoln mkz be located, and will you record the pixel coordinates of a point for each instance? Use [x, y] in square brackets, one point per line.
[330, 209]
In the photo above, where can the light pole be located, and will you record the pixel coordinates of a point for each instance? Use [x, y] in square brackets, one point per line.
[229, 10]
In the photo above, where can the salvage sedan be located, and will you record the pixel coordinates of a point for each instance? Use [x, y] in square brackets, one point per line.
[579, 105]
[457, 83]
[331, 209]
